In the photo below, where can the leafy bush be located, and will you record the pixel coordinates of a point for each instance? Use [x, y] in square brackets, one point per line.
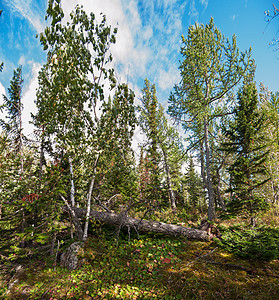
[260, 243]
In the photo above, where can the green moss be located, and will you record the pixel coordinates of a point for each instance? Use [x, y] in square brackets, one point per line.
[149, 267]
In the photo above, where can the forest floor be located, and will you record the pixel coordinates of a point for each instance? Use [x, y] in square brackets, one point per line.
[147, 266]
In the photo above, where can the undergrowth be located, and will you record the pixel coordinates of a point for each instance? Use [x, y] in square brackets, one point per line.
[243, 265]
[261, 243]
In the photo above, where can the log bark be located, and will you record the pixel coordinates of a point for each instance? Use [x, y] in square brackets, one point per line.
[144, 225]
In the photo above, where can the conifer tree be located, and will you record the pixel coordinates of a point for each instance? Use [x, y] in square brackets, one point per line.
[270, 107]
[247, 142]
[149, 123]
[173, 155]
[165, 150]
[212, 66]
[194, 185]
[13, 106]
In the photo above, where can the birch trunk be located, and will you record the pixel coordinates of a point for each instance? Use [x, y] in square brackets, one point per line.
[78, 229]
[72, 196]
[89, 196]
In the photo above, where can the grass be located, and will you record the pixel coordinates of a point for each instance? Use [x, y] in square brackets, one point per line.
[145, 267]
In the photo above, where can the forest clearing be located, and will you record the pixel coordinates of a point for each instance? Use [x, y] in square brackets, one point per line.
[191, 213]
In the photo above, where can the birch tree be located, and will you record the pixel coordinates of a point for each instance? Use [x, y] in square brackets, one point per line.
[71, 98]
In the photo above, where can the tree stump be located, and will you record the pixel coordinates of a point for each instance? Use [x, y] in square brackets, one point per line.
[211, 229]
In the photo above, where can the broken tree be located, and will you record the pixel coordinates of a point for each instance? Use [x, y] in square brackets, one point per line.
[151, 226]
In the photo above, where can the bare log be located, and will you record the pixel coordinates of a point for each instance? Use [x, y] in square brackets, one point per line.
[144, 225]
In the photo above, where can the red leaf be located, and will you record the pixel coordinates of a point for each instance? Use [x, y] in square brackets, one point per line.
[166, 261]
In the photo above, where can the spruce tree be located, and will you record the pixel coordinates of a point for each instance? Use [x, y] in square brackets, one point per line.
[164, 148]
[149, 124]
[270, 106]
[13, 107]
[247, 142]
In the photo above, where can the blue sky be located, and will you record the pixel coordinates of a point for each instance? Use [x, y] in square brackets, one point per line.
[148, 39]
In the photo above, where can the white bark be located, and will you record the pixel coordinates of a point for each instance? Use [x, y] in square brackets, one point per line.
[72, 196]
[89, 196]
[76, 222]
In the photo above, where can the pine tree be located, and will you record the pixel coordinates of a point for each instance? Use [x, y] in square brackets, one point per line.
[247, 142]
[211, 68]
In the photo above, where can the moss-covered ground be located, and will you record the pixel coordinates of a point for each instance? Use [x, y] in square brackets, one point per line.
[146, 267]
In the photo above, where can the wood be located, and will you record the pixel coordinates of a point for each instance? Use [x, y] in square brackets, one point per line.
[143, 225]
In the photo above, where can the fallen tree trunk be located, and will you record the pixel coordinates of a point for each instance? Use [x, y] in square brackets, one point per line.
[144, 225]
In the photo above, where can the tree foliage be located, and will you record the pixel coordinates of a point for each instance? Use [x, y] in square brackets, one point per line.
[194, 186]
[81, 160]
[75, 111]
[164, 153]
[247, 142]
[13, 107]
[211, 68]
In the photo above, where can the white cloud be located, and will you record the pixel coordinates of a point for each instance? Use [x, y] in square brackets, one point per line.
[204, 3]
[28, 100]
[141, 34]
[28, 10]
[2, 90]
[147, 42]
[144, 32]
[22, 60]
[233, 17]
[167, 79]
[147, 34]
[193, 13]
